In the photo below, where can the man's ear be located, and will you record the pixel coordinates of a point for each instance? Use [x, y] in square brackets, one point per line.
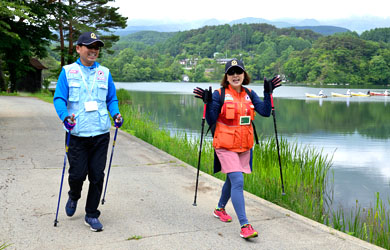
[78, 47]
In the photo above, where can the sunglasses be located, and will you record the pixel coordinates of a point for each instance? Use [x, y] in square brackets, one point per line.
[95, 47]
[235, 70]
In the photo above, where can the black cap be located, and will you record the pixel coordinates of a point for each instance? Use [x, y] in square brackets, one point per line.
[88, 38]
[234, 63]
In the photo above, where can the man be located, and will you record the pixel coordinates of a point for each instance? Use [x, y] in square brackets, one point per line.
[84, 92]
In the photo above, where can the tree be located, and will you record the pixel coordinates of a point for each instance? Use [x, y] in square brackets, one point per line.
[199, 73]
[24, 33]
[77, 16]
[8, 11]
[379, 70]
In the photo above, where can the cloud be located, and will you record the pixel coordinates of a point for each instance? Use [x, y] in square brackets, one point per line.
[232, 9]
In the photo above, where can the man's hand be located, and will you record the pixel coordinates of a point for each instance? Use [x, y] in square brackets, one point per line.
[69, 122]
[118, 120]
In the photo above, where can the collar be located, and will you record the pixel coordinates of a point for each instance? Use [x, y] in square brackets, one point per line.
[235, 92]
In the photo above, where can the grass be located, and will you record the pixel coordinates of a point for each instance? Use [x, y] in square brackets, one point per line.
[135, 237]
[304, 171]
[8, 94]
[44, 95]
[4, 246]
[370, 224]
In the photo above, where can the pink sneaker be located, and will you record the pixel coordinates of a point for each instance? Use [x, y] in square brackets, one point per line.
[247, 231]
[222, 215]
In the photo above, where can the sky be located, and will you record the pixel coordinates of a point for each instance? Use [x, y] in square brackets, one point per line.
[228, 10]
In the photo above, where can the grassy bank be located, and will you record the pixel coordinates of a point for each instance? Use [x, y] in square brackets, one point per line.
[370, 224]
[304, 171]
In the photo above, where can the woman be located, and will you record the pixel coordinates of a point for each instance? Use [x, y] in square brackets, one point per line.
[231, 117]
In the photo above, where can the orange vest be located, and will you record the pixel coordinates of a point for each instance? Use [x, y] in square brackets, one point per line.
[233, 129]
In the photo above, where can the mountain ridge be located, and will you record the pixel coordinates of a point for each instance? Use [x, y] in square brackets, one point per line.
[328, 27]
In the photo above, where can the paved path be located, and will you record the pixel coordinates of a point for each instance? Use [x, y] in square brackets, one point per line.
[150, 195]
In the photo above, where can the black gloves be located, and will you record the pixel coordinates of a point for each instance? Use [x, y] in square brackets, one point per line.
[204, 94]
[270, 85]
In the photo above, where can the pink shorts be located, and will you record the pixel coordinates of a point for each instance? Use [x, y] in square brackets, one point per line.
[233, 161]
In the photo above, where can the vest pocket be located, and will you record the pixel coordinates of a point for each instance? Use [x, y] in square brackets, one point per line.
[105, 122]
[74, 91]
[230, 111]
[247, 137]
[102, 92]
[224, 138]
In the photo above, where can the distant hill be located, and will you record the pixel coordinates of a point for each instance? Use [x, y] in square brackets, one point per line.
[164, 26]
[147, 37]
[323, 27]
[249, 20]
[323, 30]
[361, 24]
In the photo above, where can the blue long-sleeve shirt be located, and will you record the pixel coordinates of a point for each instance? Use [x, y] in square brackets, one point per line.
[61, 94]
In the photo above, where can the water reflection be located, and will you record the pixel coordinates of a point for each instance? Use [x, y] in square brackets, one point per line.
[356, 131]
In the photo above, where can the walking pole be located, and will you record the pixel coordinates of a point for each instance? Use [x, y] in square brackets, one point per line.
[109, 167]
[277, 142]
[200, 153]
[62, 177]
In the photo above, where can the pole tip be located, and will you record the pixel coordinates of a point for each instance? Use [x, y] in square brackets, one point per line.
[55, 223]
[103, 202]
[194, 204]
[283, 193]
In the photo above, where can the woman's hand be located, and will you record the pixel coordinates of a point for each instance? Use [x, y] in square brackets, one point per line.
[204, 94]
[270, 85]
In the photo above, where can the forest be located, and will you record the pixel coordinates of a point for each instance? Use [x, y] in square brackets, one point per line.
[47, 30]
[299, 56]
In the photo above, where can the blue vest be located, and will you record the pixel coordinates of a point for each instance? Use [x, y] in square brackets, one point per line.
[95, 88]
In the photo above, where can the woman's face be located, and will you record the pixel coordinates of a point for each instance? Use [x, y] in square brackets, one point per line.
[235, 77]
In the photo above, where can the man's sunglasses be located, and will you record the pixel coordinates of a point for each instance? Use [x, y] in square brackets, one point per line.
[95, 47]
[235, 70]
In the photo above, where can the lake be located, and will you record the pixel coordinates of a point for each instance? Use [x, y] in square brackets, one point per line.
[354, 131]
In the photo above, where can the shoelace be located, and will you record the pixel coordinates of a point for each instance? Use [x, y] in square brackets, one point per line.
[73, 204]
[222, 210]
[94, 220]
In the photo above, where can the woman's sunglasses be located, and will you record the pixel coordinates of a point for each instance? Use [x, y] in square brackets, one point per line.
[235, 70]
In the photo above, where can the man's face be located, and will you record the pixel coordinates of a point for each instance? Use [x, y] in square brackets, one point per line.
[88, 53]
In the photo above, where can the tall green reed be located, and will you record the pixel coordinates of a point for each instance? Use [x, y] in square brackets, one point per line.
[370, 224]
[304, 169]
[304, 175]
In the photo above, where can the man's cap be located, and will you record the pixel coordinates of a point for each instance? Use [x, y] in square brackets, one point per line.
[234, 63]
[88, 38]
